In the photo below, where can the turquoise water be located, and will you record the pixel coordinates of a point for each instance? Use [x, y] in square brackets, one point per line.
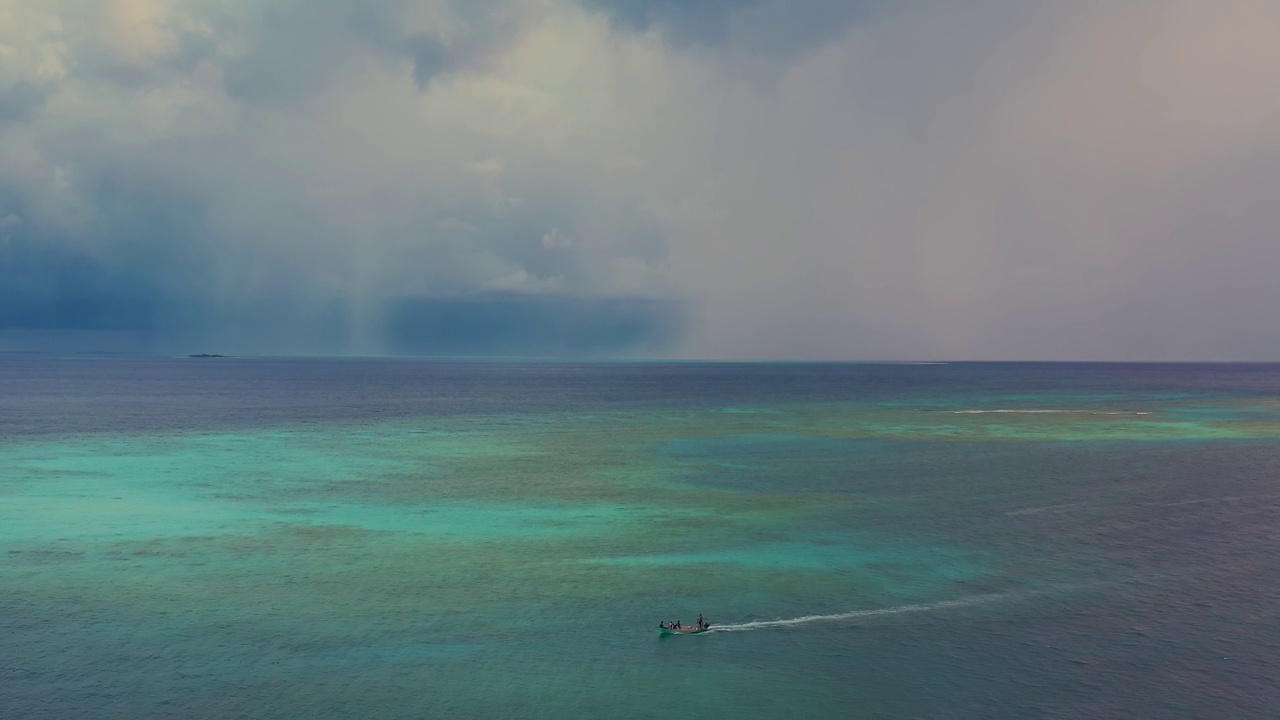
[362, 539]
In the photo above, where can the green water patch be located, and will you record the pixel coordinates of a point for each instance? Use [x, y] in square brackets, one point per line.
[304, 545]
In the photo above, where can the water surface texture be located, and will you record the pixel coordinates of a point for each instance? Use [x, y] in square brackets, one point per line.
[351, 539]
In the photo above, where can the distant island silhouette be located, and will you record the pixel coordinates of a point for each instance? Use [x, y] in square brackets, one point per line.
[206, 355]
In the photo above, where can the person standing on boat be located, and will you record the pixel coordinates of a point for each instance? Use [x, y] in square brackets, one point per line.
[700, 625]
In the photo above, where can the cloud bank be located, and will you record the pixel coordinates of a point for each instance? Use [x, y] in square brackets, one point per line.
[740, 178]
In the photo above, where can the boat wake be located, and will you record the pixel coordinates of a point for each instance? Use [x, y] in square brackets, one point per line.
[856, 614]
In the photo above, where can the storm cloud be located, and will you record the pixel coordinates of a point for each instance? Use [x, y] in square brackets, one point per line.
[739, 178]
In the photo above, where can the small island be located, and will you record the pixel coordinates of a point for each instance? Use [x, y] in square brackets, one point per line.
[206, 355]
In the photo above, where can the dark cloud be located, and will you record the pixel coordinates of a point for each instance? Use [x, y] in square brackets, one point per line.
[125, 274]
[144, 280]
[78, 308]
[20, 101]
[533, 325]
[430, 58]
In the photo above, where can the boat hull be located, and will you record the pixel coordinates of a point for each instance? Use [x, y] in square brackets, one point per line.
[682, 630]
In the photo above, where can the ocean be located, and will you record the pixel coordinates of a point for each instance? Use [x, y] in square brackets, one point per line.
[305, 538]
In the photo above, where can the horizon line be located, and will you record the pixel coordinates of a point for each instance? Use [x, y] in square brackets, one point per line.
[604, 359]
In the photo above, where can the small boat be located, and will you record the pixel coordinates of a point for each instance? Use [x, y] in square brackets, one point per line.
[682, 630]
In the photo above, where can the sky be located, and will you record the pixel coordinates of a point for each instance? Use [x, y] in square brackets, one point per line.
[705, 179]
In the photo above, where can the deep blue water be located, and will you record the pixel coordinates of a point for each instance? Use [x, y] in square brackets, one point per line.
[384, 538]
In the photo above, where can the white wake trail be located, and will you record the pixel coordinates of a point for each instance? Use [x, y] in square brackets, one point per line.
[855, 614]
